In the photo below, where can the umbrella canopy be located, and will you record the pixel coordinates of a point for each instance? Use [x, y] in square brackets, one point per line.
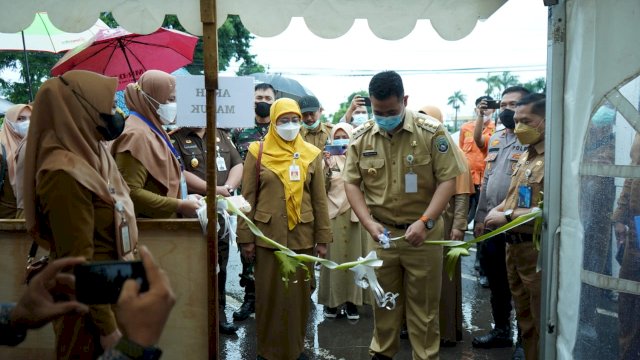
[285, 87]
[42, 35]
[119, 53]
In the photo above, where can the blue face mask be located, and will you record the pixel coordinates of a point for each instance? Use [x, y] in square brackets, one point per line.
[312, 126]
[341, 142]
[388, 123]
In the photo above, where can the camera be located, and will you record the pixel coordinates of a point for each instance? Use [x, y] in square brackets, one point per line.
[101, 282]
[493, 104]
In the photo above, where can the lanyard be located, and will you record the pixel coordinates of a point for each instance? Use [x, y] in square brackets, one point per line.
[167, 142]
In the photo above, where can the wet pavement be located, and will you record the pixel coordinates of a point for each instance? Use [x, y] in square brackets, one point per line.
[341, 338]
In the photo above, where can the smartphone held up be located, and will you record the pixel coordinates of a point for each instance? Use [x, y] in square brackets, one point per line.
[101, 282]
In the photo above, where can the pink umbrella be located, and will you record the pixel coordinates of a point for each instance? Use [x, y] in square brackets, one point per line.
[119, 53]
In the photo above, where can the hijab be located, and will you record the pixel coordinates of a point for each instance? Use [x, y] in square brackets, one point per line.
[63, 136]
[278, 155]
[146, 145]
[12, 140]
[336, 195]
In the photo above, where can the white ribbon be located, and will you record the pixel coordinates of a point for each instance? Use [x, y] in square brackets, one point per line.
[365, 276]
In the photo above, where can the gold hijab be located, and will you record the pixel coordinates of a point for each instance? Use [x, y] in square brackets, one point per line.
[278, 155]
[140, 140]
[12, 141]
[63, 136]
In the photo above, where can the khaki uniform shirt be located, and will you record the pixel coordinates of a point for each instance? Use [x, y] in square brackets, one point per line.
[318, 136]
[504, 152]
[529, 172]
[380, 161]
[8, 206]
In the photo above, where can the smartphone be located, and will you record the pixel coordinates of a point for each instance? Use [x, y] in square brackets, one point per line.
[493, 104]
[367, 101]
[100, 282]
[336, 149]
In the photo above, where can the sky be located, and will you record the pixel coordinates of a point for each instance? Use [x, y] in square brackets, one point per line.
[514, 38]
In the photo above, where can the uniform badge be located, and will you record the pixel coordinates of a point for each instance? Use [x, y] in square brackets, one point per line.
[188, 141]
[194, 163]
[442, 144]
[372, 172]
[492, 156]
[513, 167]
[495, 142]
[515, 156]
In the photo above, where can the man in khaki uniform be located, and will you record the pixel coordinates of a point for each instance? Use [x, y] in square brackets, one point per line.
[525, 193]
[405, 164]
[313, 130]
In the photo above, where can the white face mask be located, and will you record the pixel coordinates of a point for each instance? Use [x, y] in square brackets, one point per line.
[359, 119]
[21, 128]
[288, 131]
[167, 113]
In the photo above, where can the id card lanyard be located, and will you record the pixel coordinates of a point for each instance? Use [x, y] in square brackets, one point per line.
[411, 178]
[220, 163]
[124, 241]
[294, 169]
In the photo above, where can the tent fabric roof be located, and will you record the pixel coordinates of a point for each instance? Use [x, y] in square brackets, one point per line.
[388, 19]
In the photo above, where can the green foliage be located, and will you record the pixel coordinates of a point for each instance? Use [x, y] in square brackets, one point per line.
[345, 106]
[538, 85]
[497, 83]
[39, 65]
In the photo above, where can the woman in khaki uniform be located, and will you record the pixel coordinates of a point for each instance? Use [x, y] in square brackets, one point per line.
[289, 205]
[145, 156]
[12, 138]
[75, 201]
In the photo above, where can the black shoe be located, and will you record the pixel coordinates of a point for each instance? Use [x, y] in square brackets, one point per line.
[352, 311]
[518, 353]
[247, 308]
[496, 338]
[404, 333]
[380, 357]
[447, 343]
[330, 312]
[303, 356]
[484, 281]
[227, 328]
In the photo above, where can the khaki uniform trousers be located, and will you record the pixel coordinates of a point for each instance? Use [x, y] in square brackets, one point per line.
[524, 283]
[416, 274]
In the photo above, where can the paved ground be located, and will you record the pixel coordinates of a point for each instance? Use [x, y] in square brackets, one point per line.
[341, 338]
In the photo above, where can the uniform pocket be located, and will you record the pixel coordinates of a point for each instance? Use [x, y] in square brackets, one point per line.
[262, 217]
[372, 171]
[306, 217]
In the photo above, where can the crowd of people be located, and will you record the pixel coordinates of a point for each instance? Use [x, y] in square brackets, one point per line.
[336, 191]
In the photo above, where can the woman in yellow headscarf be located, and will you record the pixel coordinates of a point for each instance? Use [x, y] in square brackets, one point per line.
[12, 138]
[284, 182]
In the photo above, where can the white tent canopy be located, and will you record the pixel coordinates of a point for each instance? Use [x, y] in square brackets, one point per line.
[388, 19]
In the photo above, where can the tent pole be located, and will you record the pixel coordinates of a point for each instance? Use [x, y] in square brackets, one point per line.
[552, 212]
[210, 53]
[26, 66]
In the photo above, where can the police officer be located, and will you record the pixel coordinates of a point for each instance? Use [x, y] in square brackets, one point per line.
[504, 152]
[404, 162]
[525, 193]
[313, 130]
[190, 143]
[264, 96]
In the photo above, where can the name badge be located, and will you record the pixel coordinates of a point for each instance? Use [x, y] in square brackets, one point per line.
[183, 187]
[125, 242]
[524, 196]
[221, 164]
[410, 183]
[294, 173]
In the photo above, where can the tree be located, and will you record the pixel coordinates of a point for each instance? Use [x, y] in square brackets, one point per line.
[538, 85]
[455, 100]
[345, 106]
[234, 42]
[490, 81]
[497, 83]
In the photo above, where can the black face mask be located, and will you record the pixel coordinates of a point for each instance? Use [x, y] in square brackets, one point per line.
[115, 126]
[262, 109]
[506, 117]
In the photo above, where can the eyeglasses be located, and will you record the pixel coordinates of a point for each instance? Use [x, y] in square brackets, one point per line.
[284, 120]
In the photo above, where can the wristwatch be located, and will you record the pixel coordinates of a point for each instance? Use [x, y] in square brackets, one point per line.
[507, 215]
[136, 351]
[428, 223]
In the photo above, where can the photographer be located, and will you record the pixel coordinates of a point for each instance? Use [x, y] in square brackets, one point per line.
[141, 317]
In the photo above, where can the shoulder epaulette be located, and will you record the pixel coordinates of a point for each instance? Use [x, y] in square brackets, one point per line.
[427, 122]
[366, 126]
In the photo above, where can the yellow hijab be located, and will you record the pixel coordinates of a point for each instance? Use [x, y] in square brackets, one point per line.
[277, 156]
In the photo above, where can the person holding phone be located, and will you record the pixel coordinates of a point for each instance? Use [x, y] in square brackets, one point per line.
[142, 317]
[76, 202]
[357, 112]
[284, 182]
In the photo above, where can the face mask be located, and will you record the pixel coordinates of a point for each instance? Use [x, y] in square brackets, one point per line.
[388, 123]
[21, 128]
[359, 119]
[262, 109]
[341, 142]
[312, 126]
[288, 131]
[114, 125]
[167, 113]
[506, 118]
[526, 134]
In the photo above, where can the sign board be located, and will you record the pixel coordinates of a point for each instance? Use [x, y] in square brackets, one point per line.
[234, 103]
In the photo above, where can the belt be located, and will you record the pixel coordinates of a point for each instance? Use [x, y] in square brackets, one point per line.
[397, 226]
[517, 238]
